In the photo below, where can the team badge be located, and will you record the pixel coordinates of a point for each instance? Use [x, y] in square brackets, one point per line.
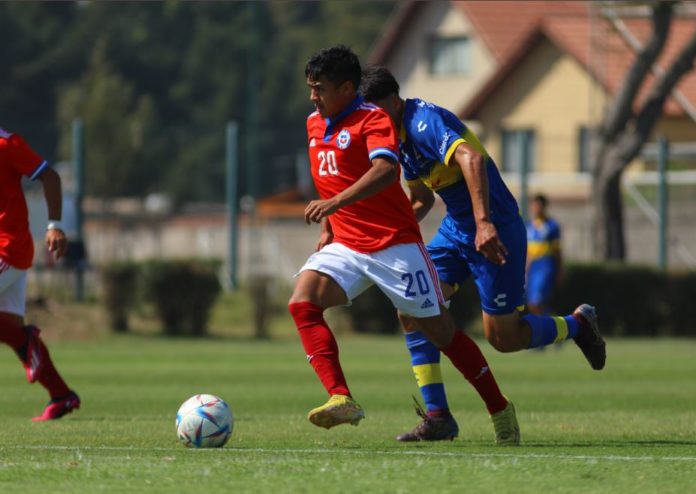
[343, 139]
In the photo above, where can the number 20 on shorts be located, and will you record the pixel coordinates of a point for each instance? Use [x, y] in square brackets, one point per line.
[413, 280]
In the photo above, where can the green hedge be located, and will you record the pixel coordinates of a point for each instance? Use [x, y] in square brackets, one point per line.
[120, 282]
[630, 301]
[182, 293]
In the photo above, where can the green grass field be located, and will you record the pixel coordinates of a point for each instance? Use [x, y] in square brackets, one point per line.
[630, 428]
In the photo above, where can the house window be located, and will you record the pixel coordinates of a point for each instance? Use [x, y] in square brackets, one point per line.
[450, 56]
[512, 144]
[584, 149]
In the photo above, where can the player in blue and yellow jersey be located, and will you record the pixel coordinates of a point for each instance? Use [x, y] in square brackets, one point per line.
[543, 256]
[482, 233]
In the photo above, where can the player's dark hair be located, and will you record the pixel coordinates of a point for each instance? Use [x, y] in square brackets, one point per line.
[338, 64]
[542, 199]
[378, 83]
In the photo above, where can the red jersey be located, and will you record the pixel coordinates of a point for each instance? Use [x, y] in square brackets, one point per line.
[16, 159]
[341, 151]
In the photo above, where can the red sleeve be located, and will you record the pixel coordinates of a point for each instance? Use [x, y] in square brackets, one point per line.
[380, 136]
[22, 158]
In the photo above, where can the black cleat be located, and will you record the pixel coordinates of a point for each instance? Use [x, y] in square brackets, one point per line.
[438, 428]
[589, 339]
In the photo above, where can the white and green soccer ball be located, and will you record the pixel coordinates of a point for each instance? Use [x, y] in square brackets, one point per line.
[204, 421]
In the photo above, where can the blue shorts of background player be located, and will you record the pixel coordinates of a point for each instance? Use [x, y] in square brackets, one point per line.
[541, 281]
[501, 287]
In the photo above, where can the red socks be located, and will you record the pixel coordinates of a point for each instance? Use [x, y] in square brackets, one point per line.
[14, 336]
[17, 337]
[49, 377]
[320, 346]
[466, 356]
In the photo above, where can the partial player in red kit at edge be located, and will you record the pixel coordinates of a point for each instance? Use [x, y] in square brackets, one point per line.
[369, 236]
[17, 159]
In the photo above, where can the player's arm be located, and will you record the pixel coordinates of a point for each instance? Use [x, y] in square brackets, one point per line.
[55, 237]
[473, 166]
[381, 175]
[422, 198]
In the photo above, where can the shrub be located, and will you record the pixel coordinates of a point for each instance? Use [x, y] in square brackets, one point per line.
[120, 293]
[183, 293]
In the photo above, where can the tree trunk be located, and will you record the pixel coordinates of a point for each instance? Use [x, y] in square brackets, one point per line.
[609, 242]
[612, 206]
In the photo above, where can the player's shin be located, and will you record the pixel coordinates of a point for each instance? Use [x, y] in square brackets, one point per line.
[425, 360]
[320, 346]
[546, 330]
[466, 356]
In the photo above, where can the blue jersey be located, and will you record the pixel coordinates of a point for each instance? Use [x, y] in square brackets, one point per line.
[429, 136]
[543, 246]
[543, 240]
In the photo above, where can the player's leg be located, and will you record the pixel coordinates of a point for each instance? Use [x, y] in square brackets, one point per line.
[30, 349]
[438, 422]
[453, 271]
[413, 292]
[327, 279]
[501, 289]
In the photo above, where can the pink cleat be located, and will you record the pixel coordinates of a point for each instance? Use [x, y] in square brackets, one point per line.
[58, 407]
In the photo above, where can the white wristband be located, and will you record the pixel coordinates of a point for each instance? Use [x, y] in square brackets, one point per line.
[54, 225]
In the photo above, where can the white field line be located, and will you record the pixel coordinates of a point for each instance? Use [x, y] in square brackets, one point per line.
[454, 454]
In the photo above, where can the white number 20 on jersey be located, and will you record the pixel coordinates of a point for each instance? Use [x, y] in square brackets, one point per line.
[327, 163]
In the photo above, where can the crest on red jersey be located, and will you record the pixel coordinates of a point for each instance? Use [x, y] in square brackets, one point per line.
[343, 139]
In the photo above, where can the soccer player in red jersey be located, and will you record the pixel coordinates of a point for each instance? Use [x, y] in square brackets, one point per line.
[17, 159]
[369, 236]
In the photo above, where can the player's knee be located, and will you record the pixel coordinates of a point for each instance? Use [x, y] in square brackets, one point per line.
[296, 299]
[502, 340]
[499, 343]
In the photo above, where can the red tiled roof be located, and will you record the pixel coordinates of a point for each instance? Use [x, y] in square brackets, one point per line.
[499, 32]
[602, 51]
[504, 24]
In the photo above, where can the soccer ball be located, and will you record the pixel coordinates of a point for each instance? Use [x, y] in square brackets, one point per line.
[204, 421]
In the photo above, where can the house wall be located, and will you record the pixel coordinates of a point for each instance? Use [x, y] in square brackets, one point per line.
[551, 94]
[409, 63]
[677, 129]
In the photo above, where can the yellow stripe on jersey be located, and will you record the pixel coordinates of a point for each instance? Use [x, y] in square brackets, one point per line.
[541, 248]
[470, 139]
[561, 329]
[442, 176]
[452, 149]
[427, 374]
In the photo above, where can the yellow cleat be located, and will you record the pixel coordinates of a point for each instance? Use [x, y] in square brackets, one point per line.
[507, 430]
[340, 409]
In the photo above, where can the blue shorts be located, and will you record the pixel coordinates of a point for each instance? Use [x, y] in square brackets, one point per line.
[541, 280]
[501, 288]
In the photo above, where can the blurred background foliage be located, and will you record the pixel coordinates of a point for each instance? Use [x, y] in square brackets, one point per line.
[155, 83]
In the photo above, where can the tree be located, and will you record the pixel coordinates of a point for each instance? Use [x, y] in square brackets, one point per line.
[622, 132]
[118, 124]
